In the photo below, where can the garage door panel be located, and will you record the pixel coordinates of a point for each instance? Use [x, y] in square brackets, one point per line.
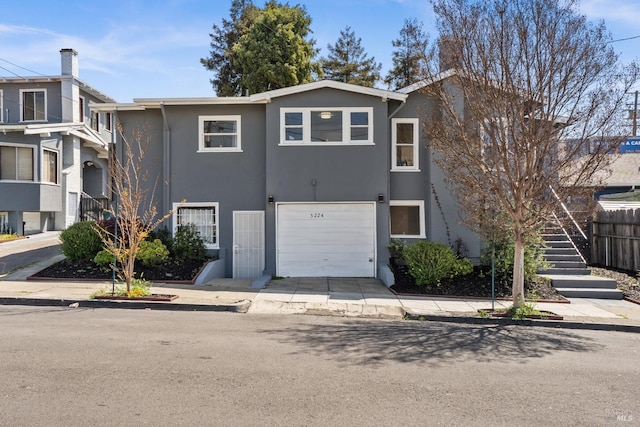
[326, 239]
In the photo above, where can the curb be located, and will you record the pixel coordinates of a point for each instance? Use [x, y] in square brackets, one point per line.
[558, 324]
[239, 307]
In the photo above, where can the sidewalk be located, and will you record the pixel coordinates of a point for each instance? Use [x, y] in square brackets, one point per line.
[353, 297]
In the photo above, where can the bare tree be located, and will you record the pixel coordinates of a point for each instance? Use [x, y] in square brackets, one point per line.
[530, 103]
[134, 206]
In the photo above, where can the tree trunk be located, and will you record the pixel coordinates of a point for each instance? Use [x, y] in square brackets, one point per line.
[518, 270]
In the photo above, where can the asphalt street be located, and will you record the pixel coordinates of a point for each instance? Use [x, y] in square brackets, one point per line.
[103, 367]
[18, 254]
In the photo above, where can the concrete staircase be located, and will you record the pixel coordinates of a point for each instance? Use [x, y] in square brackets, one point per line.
[568, 270]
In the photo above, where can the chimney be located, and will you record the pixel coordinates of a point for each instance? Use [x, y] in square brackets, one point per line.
[69, 62]
[450, 53]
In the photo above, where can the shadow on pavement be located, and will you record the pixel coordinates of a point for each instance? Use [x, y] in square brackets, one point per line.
[432, 343]
[9, 263]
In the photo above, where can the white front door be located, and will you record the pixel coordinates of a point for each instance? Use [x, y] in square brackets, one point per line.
[248, 244]
[326, 239]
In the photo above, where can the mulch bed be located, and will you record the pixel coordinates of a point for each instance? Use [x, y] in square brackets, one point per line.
[477, 284]
[170, 271]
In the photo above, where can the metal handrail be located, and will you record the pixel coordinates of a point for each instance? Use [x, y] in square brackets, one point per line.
[568, 213]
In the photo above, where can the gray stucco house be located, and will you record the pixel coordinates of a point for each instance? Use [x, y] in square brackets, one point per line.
[52, 148]
[311, 180]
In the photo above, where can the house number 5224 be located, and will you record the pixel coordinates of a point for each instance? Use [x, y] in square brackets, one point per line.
[315, 215]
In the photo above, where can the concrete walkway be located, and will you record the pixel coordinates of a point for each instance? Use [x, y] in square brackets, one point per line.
[357, 297]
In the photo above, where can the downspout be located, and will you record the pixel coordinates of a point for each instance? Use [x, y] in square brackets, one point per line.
[166, 160]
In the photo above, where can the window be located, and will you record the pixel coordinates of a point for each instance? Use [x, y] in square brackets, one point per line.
[33, 105]
[326, 126]
[4, 223]
[219, 133]
[404, 143]
[50, 166]
[95, 121]
[81, 109]
[407, 218]
[16, 163]
[72, 208]
[107, 121]
[203, 215]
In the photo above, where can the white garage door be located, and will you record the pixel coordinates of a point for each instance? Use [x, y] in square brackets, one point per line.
[326, 239]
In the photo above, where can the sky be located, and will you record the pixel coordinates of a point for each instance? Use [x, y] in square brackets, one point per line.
[152, 48]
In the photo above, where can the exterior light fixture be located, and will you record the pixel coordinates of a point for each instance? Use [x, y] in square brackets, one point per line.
[271, 199]
[380, 198]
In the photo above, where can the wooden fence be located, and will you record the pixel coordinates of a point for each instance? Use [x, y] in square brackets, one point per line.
[616, 239]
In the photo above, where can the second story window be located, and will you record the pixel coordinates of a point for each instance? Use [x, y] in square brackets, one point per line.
[16, 163]
[404, 145]
[219, 133]
[326, 126]
[33, 105]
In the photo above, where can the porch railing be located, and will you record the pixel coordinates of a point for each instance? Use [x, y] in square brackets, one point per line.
[91, 208]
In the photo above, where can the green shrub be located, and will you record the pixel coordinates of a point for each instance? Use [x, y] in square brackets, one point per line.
[188, 244]
[152, 253]
[504, 253]
[164, 235]
[429, 263]
[103, 258]
[81, 241]
[396, 246]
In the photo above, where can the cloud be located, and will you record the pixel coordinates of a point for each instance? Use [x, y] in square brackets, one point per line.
[624, 12]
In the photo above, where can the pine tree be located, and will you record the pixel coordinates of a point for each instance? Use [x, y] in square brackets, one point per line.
[276, 52]
[347, 61]
[221, 60]
[410, 59]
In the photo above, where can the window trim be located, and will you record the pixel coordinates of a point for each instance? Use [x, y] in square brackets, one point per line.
[33, 162]
[81, 106]
[43, 166]
[22, 92]
[215, 205]
[346, 126]
[420, 205]
[201, 134]
[416, 145]
[1, 106]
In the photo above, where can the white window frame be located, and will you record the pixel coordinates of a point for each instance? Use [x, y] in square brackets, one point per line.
[346, 126]
[33, 162]
[22, 92]
[1, 106]
[81, 106]
[214, 205]
[420, 205]
[394, 145]
[43, 166]
[228, 118]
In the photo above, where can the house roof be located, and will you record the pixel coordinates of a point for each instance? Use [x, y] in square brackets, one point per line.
[625, 170]
[428, 81]
[332, 84]
[258, 98]
[49, 79]
[81, 130]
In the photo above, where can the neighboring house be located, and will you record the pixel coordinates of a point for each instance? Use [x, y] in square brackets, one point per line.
[52, 148]
[310, 180]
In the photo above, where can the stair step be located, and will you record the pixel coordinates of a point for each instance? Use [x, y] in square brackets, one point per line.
[559, 281]
[591, 293]
[554, 258]
[556, 244]
[559, 251]
[566, 271]
[555, 237]
[567, 264]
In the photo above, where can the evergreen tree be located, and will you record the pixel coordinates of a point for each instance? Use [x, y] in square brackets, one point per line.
[347, 61]
[221, 60]
[410, 59]
[276, 52]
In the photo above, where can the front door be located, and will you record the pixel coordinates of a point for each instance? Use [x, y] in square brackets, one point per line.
[248, 244]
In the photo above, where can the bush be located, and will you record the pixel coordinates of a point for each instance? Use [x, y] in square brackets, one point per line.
[103, 258]
[164, 235]
[188, 244]
[152, 253]
[81, 241]
[503, 262]
[429, 263]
